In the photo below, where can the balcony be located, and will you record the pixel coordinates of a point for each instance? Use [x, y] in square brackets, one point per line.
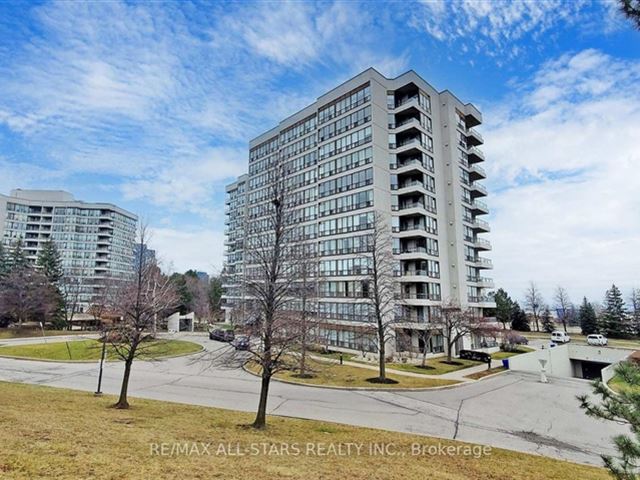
[408, 102]
[419, 296]
[476, 172]
[473, 117]
[413, 250]
[478, 190]
[483, 282]
[480, 262]
[407, 123]
[480, 299]
[481, 225]
[482, 244]
[475, 155]
[479, 207]
[474, 138]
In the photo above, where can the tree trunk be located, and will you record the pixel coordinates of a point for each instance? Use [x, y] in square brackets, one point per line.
[303, 357]
[261, 417]
[381, 353]
[122, 401]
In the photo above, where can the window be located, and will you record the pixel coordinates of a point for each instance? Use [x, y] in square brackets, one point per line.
[346, 182]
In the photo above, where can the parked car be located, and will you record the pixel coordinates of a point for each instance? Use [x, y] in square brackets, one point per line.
[241, 342]
[221, 335]
[595, 339]
[518, 339]
[560, 337]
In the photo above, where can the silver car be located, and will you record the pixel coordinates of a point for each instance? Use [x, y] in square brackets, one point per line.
[598, 340]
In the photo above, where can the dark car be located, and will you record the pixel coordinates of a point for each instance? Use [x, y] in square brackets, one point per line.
[241, 342]
[221, 335]
[519, 340]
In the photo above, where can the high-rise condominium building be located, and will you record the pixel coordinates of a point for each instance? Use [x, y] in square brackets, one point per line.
[95, 240]
[374, 144]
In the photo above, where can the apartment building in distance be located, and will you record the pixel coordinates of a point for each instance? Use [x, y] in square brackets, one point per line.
[95, 240]
[374, 144]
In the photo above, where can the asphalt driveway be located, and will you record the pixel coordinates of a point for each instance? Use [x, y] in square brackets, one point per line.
[512, 410]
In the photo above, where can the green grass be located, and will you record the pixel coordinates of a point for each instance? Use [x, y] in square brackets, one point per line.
[502, 355]
[336, 375]
[64, 434]
[617, 384]
[9, 333]
[435, 366]
[82, 350]
[484, 373]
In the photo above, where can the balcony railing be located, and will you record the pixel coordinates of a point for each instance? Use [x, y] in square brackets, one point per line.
[419, 296]
[479, 299]
[428, 251]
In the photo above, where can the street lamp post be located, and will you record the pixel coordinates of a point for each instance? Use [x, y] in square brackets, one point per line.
[104, 349]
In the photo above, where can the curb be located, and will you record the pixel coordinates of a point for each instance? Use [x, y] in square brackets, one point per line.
[361, 389]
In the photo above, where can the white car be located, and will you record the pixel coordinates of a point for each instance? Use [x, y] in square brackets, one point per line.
[560, 337]
[598, 340]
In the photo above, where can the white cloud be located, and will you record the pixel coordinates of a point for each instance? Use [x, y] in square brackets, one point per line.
[189, 248]
[497, 27]
[563, 161]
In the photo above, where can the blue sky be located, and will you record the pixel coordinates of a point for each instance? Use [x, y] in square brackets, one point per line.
[151, 106]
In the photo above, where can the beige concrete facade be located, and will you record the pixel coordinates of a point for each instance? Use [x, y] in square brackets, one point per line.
[395, 146]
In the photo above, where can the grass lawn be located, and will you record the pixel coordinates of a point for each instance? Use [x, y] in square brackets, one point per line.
[92, 349]
[87, 439]
[337, 375]
[8, 333]
[484, 373]
[435, 366]
[501, 355]
[617, 384]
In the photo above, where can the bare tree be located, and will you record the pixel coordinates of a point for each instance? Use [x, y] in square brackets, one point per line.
[534, 302]
[634, 301]
[563, 305]
[270, 282]
[306, 291]
[138, 301]
[27, 295]
[455, 324]
[382, 289]
[70, 288]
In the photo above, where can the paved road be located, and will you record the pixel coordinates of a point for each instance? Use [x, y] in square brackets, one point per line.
[511, 410]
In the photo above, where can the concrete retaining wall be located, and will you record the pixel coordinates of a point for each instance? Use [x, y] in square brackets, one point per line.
[564, 360]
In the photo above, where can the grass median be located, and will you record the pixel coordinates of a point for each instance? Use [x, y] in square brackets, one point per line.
[86, 350]
[336, 375]
[57, 433]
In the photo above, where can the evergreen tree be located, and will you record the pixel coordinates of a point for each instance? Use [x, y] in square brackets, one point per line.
[613, 320]
[50, 262]
[547, 322]
[504, 307]
[18, 260]
[588, 319]
[4, 262]
[623, 408]
[519, 320]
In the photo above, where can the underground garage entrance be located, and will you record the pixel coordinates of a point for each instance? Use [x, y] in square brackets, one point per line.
[576, 361]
